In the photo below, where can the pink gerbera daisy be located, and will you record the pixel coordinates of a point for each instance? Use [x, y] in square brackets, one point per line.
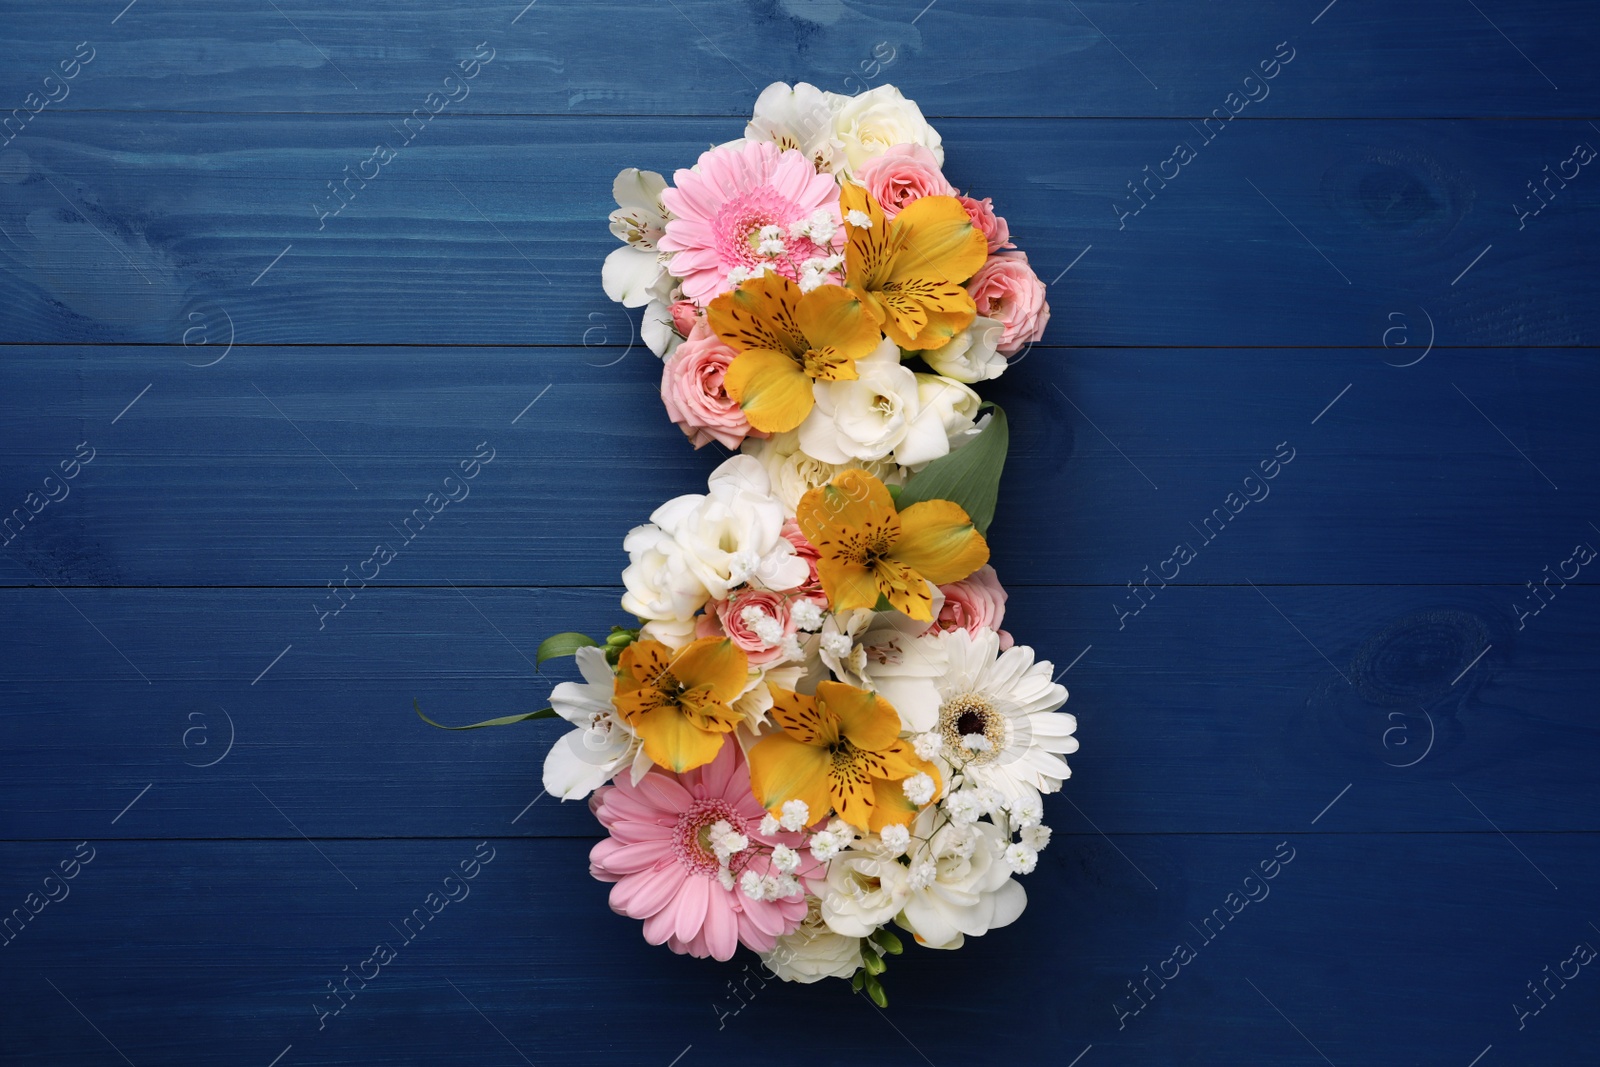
[745, 209]
[661, 856]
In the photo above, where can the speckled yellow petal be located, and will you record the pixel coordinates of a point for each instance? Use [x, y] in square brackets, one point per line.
[939, 542]
[771, 388]
[782, 768]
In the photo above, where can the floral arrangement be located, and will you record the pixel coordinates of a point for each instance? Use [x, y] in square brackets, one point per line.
[818, 727]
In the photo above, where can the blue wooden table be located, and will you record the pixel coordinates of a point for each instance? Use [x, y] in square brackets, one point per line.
[1376, 681]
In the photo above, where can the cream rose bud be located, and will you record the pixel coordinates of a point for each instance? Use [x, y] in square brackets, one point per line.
[813, 952]
[952, 405]
[733, 534]
[794, 473]
[659, 581]
[972, 355]
[870, 123]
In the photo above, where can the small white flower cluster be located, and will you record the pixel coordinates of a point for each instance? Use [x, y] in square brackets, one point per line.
[763, 625]
[807, 615]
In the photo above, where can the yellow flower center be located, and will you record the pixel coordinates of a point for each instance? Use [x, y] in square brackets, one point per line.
[971, 714]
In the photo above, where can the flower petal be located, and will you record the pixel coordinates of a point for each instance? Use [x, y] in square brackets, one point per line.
[672, 741]
[782, 768]
[759, 314]
[771, 388]
[906, 590]
[799, 717]
[831, 316]
[938, 540]
[869, 721]
[937, 240]
[849, 586]
[716, 662]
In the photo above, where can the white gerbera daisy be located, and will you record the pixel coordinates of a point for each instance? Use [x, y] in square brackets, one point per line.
[1005, 698]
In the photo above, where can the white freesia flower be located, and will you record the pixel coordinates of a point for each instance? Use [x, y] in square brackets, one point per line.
[588, 757]
[886, 412]
[794, 473]
[879, 119]
[733, 533]
[800, 118]
[971, 355]
[813, 951]
[661, 584]
[1005, 697]
[632, 271]
[971, 890]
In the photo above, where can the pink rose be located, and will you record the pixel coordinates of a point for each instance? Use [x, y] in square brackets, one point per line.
[992, 226]
[691, 387]
[1005, 288]
[750, 618]
[805, 550]
[684, 316]
[976, 601]
[902, 174]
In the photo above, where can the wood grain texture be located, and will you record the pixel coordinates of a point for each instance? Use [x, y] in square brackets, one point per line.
[701, 57]
[1377, 663]
[490, 230]
[1206, 712]
[240, 939]
[236, 474]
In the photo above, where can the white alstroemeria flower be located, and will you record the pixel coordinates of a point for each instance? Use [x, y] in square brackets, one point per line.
[1006, 698]
[879, 119]
[794, 473]
[632, 271]
[971, 355]
[813, 952]
[860, 644]
[886, 412]
[799, 118]
[588, 757]
[656, 327]
[967, 892]
[661, 584]
[733, 534]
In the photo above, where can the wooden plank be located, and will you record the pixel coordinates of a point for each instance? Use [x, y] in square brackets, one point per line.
[491, 229]
[236, 473]
[223, 951]
[1165, 57]
[1227, 709]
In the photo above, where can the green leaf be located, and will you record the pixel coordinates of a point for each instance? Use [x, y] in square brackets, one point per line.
[563, 644]
[542, 713]
[969, 476]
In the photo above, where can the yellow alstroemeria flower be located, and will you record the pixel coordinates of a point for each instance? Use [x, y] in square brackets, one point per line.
[911, 271]
[840, 749]
[680, 705]
[867, 549]
[787, 339]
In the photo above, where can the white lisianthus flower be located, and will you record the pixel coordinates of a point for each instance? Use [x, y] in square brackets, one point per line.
[794, 473]
[864, 891]
[879, 415]
[733, 533]
[813, 952]
[971, 355]
[799, 118]
[971, 891]
[631, 273]
[588, 757]
[953, 406]
[878, 119]
[661, 584]
[1005, 697]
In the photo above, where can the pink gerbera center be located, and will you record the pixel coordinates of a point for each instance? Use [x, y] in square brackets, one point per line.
[691, 838]
[738, 225]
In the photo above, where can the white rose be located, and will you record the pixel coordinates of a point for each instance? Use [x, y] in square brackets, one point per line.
[970, 356]
[793, 473]
[800, 118]
[659, 581]
[968, 895]
[864, 891]
[734, 533]
[947, 404]
[813, 952]
[879, 119]
[872, 417]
